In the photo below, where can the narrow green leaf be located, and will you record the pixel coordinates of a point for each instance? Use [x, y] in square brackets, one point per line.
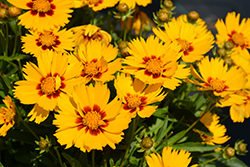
[162, 131]
[195, 147]
[73, 162]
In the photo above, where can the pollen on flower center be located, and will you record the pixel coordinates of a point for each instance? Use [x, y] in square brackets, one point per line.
[217, 84]
[154, 66]
[184, 44]
[9, 115]
[91, 68]
[95, 2]
[93, 120]
[238, 39]
[133, 101]
[48, 85]
[41, 5]
[47, 39]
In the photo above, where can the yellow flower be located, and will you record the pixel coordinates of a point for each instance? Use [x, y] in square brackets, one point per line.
[244, 64]
[136, 97]
[132, 3]
[152, 62]
[98, 62]
[88, 121]
[47, 42]
[194, 41]
[231, 30]
[211, 121]
[7, 115]
[217, 78]
[97, 5]
[83, 34]
[239, 105]
[170, 158]
[79, 3]
[46, 83]
[44, 14]
[140, 21]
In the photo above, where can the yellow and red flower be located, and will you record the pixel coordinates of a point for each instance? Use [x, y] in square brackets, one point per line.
[52, 78]
[88, 121]
[153, 62]
[44, 14]
[133, 3]
[98, 5]
[46, 42]
[7, 115]
[137, 96]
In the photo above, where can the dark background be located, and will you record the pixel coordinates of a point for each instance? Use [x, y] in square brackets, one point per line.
[210, 11]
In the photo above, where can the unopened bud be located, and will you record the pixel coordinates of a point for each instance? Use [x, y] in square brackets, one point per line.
[242, 147]
[229, 45]
[122, 44]
[125, 52]
[193, 16]
[147, 143]
[169, 4]
[221, 52]
[122, 7]
[163, 16]
[14, 11]
[230, 151]
[43, 144]
[3, 13]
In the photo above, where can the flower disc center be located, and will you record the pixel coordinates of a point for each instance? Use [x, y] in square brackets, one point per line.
[9, 115]
[133, 101]
[238, 39]
[154, 66]
[94, 2]
[91, 68]
[49, 85]
[93, 120]
[184, 44]
[47, 38]
[41, 5]
[217, 84]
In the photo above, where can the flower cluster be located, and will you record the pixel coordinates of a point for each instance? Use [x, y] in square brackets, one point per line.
[87, 86]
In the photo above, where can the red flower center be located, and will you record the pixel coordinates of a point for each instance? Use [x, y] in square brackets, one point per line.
[41, 7]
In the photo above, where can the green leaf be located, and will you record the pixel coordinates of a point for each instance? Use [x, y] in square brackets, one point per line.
[195, 147]
[73, 162]
[162, 131]
[173, 138]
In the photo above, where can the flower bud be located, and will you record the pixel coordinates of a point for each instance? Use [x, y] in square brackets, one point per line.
[193, 16]
[147, 143]
[122, 44]
[230, 152]
[163, 16]
[14, 11]
[242, 147]
[228, 61]
[122, 7]
[147, 28]
[221, 52]
[125, 52]
[169, 4]
[3, 13]
[43, 144]
[229, 45]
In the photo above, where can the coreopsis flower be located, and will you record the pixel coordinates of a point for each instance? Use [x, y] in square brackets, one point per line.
[231, 30]
[211, 121]
[44, 14]
[88, 121]
[45, 83]
[138, 23]
[83, 34]
[155, 63]
[239, 105]
[98, 5]
[170, 158]
[136, 97]
[194, 42]
[7, 115]
[243, 63]
[79, 3]
[216, 77]
[133, 3]
[47, 42]
[98, 61]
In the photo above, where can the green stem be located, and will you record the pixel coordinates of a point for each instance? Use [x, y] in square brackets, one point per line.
[209, 108]
[27, 126]
[7, 39]
[59, 156]
[134, 125]
[15, 42]
[93, 158]
[125, 30]
[210, 160]
[197, 98]
[142, 160]
[53, 156]
[20, 68]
